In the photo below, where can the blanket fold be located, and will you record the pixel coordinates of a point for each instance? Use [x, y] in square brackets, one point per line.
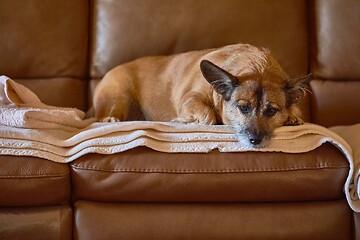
[20, 107]
[31, 128]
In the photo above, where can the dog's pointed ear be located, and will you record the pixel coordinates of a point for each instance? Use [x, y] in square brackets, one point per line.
[296, 88]
[222, 81]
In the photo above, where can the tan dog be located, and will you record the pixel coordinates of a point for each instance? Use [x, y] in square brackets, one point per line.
[248, 90]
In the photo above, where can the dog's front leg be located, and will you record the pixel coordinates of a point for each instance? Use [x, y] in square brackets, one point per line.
[294, 117]
[195, 108]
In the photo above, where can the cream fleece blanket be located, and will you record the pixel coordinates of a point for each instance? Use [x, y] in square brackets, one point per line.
[20, 107]
[66, 140]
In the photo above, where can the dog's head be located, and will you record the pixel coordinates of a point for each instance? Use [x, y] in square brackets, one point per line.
[254, 102]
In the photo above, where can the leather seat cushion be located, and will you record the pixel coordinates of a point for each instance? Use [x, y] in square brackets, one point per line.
[144, 175]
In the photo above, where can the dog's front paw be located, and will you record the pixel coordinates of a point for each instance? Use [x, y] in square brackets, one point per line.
[182, 120]
[110, 119]
[207, 119]
[293, 121]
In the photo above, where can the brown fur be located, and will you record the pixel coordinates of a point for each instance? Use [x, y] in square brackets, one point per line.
[248, 89]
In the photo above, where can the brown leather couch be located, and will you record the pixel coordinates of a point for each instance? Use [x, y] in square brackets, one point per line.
[61, 48]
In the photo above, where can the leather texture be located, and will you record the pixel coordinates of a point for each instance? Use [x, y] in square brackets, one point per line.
[43, 39]
[335, 102]
[50, 223]
[336, 44]
[65, 92]
[30, 181]
[121, 26]
[356, 226]
[212, 177]
[335, 61]
[329, 220]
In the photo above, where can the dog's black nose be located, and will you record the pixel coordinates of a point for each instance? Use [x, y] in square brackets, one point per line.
[255, 141]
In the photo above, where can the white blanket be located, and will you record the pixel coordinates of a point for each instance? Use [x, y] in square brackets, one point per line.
[67, 140]
[351, 134]
[20, 107]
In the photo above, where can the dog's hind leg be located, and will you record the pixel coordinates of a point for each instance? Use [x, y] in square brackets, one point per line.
[112, 110]
[194, 108]
[111, 103]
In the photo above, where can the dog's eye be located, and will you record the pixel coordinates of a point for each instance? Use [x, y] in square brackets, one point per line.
[244, 108]
[269, 112]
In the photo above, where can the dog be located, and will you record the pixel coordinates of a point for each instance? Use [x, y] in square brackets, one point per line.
[239, 85]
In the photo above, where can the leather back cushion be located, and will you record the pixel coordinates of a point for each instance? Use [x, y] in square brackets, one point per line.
[127, 29]
[335, 102]
[43, 39]
[335, 62]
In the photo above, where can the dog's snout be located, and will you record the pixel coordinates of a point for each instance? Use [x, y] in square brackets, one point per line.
[255, 137]
[257, 133]
[255, 140]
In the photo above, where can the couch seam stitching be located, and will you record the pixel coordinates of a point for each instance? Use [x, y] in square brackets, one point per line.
[149, 170]
[35, 176]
